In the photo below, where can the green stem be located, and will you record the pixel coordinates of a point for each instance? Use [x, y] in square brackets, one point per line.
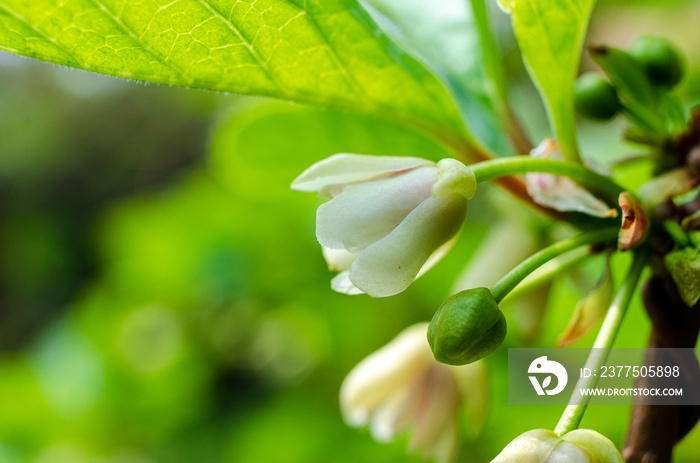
[496, 86]
[676, 233]
[506, 284]
[593, 181]
[548, 271]
[571, 418]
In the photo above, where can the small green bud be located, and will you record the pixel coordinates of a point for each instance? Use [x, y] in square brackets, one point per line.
[467, 327]
[595, 97]
[659, 59]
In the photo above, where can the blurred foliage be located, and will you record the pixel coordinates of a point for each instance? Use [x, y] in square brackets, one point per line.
[162, 295]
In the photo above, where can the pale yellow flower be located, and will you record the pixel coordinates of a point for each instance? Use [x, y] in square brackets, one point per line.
[402, 387]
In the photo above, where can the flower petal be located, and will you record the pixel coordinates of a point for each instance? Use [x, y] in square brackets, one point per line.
[341, 283]
[367, 212]
[344, 169]
[342, 260]
[472, 383]
[634, 223]
[566, 452]
[596, 443]
[530, 447]
[384, 423]
[338, 259]
[389, 265]
[384, 372]
[562, 193]
[435, 409]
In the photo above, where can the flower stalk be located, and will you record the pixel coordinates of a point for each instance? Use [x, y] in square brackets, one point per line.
[593, 181]
[571, 418]
[506, 284]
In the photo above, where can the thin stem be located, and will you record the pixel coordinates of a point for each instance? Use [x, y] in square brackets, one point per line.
[506, 284]
[571, 418]
[549, 270]
[470, 153]
[593, 181]
[676, 233]
[497, 86]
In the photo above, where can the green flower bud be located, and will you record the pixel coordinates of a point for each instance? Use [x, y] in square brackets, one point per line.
[595, 97]
[467, 327]
[659, 59]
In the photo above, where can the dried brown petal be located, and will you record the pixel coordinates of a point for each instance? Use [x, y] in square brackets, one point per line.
[634, 222]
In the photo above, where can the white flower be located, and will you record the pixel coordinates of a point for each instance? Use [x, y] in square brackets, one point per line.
[543, 446]
[561, 193]
[402, 386]
[390, 216]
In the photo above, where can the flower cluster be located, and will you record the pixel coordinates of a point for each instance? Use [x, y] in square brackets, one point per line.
[388, 220]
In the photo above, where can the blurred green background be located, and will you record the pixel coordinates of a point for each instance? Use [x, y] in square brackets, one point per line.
[162, 295]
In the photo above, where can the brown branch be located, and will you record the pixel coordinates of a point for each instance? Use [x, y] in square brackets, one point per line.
[655, 429]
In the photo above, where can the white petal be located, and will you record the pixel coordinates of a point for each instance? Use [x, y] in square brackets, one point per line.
[341, 283]
[595, 443]
[436, 408]
[384, 422]
[338, 259]
[473, 387]
[444, 450]
[367, 212]
[341, 260]
[530, 447]
[454, 177]
[566, 452]
[562, 193]
[388, 266]
[393, 367]
[344, 169]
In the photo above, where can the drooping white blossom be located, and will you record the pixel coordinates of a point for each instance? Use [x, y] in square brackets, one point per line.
[388, 218]
[401, 386]
[561, 193]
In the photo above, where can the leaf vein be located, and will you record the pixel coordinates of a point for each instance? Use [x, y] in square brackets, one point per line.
[342, 67]
[57, 44]
[160, 58]
[266, 69]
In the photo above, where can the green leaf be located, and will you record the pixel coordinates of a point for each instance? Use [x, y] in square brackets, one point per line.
[684, 266]
[633, 86]
[452, 38]
[550, 34]
[258, 153]
[325, 52]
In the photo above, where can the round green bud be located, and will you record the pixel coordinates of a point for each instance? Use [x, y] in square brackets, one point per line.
[595, 97]
[660, 60]
[467, 327]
